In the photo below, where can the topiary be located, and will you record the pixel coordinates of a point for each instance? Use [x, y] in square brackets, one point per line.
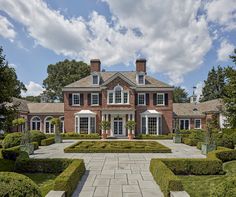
[11, 140]
[37, 136]
[14, 184]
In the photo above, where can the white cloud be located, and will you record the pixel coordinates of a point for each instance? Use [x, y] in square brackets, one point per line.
[12, 65]
[222, 12]
[6, 29]
[33, 89]
[172, 37]
[225, 50]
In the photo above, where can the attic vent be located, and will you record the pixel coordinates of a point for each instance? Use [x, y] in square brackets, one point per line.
[195, 109]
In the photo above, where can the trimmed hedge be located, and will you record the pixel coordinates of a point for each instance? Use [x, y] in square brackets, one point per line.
[189, 141]
[6, 165]
[68, 180]
[14, 184]
[36, 145]
[73, 135]
[154, 137]
[11, 140]
[11, 153]
[37, 136]
[48, 141]
[165, 177]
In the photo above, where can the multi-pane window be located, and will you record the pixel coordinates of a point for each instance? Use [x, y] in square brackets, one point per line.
[118, 95]
[49, 128]
[83, 125]
[62, 124]
[160, 99]
[92, 125]
[95, 79]
[95, 99]
[184, 124]
[152, 125]
[76, 99]
[141, 99]
[197, 123]
[110, 97]
[76, 124]
[144, 125]
[125, 97]
[141, 79]
[35, 123]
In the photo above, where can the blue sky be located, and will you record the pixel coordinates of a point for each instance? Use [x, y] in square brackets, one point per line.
[181, 40]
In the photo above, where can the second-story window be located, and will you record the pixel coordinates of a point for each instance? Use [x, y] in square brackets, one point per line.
[95, 79]
[118, 96]
[160, 99]
[95, 99]
[75, 99]
[141, 99]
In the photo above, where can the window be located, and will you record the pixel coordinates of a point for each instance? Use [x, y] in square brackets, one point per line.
[49, 128]
[144, 125]
[197, 123]
[83, 125]
[35, 123]
[125, 97]
[62, 124]
[152, 125]
[95, 79]
[141, 99]
[118, 96]
[76, 99]
[160, 99]
[141, 79]
[184, 124]
[110, 99]
[95, 99]
[92, 125]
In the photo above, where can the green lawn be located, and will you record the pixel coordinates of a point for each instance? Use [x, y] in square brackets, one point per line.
[198, 186]
[117, 147]
[45, 181]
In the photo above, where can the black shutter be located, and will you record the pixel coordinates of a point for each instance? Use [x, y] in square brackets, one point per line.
[154, 99]
[89, 99]
[166, 99]
[70, 99]
[81, 99]
[100, 99]
[147, 98]
[136, 99]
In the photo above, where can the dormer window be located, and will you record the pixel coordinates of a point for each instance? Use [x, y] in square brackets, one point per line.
[141, 78]
[95, 79]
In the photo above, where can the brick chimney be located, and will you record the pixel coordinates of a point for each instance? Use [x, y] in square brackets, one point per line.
[95, 65]
[141, 65]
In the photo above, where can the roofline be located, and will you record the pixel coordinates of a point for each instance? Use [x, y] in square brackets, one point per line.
[46, 113]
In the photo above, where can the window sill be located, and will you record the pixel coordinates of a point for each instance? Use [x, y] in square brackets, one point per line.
[160, 105]
[118, 103]
[142, 105]
[94, 105]
[75, 105]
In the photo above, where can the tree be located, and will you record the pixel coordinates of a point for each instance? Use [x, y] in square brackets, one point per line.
[180, 95]
[10, 87]
[56, 122]
[214, 85]
[18, 122]
[230, 95]
[34, 99]
[62, 74]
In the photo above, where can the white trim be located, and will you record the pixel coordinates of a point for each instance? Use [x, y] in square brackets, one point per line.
[95, 74]
[195, 123]
[73, 94]
[114, 95]
[45, 120]
[147, 115]
[163, 94]
[31, 122]
[92, 94]
[184, 123]
[137, 78]
[144, 99]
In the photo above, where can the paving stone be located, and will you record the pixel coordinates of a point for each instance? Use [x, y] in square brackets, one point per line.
[118, 182]
[131, 188]
[101, 182]
[101, 191]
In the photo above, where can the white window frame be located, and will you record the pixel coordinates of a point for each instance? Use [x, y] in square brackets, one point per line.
[73, 95]
[97, 78]
[50, 125]
[122, 96]
[184, 123]
[38, 121]
[141, 74]
[195, 123]
[160, 104]
[94, 94]
[127, 97]
[142, 104]
[62, 120]
[78, 122]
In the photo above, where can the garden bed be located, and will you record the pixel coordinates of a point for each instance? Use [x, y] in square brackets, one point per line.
[117, 147]
[154, 137]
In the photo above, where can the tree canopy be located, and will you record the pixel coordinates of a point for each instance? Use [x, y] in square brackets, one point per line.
[214, 85]
[180, 95]
[63, 73]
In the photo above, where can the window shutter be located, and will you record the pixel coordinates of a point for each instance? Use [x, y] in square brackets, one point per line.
[147, 98]
[136, 99]
[100, 99]
[166, 99]
[154, 99]
[81, 99]
[70, 99]
[89, 99]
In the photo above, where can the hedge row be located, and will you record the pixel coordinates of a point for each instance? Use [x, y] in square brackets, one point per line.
[6, 165]
[14, 184]
[155, 137]
[164, 170]
[73, 135]
[48, 141]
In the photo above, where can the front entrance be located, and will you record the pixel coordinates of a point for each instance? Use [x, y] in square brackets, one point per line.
[118, 126]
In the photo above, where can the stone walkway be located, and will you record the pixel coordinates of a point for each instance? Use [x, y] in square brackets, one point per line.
[117, 174]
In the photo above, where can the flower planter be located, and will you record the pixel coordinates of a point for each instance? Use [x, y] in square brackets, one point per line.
[29, 148]
[177, 139]
[130, 136]
[58, 139]
[206, 148]
[104, 136]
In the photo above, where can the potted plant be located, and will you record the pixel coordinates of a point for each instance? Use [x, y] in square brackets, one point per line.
[130, 125]
[105, 126]
[177, 137]
[18, 122]
[56, 122]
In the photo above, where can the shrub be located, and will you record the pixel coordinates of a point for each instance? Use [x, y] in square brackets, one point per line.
[73, 135]
[37, 136]
[13, 184]
[12, 139]
[149, 136]
[199, 145]
[6, 165]
[229, 131]
[227, 155]
[22, 156]
[69, 178]
[165, 177]
[223, 140]
[36, 145]
[225, 189]
[189, 141]
[233, 137]
[0, 143]
[48, 141]
[11, 153]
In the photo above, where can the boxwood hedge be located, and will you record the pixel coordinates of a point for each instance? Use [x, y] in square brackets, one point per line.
[48, 141]
[6, 165]
[154, 137]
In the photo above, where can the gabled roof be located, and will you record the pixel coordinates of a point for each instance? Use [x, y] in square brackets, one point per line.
[86, 82]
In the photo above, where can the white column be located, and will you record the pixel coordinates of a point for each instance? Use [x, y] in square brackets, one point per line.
[103, 118]
[157, 125]
[112, 126]
[146, 124]
[78, 124]
[134, 120]
[89, 125]
[129, 132]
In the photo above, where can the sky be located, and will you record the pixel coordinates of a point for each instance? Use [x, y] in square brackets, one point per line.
[181, 40]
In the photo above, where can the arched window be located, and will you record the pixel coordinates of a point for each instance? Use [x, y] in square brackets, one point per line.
[118, 96]
[49, 128]
[62, 124]
[36, 123]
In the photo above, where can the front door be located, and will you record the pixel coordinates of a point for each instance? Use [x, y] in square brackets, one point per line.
[118, 126]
